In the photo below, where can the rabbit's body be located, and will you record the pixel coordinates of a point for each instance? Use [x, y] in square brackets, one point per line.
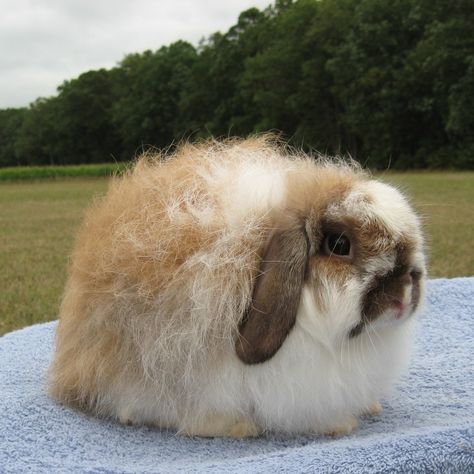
[156, 314]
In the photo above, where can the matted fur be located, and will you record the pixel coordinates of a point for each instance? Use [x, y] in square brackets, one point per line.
[164, 270]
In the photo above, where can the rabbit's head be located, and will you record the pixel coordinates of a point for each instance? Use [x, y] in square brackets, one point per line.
[343, 258]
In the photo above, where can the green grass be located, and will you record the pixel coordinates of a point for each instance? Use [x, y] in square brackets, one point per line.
[38, 221]
[20, 173]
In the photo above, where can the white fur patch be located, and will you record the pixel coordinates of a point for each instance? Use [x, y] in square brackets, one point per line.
[256, 188]
[306, 387]
[387, 204]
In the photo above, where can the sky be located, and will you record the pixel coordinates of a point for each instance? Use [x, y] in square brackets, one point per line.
[44, 42]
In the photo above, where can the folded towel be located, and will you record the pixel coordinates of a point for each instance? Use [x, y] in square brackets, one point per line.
[427, 426]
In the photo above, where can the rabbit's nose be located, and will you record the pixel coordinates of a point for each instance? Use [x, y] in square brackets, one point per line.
[406, 279]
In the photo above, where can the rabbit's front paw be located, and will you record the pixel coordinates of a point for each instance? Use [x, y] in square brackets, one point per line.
[216, 425]
[343, 429]
[373, 410]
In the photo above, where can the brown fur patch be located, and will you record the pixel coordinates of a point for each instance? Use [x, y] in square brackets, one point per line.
[388, 289]
[276, 297]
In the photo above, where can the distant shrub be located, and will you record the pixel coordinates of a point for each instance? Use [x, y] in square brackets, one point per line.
[20, 173]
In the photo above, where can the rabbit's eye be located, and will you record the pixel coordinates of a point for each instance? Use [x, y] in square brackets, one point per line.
[337, 244]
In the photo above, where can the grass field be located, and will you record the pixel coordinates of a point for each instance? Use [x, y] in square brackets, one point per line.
[38, 221]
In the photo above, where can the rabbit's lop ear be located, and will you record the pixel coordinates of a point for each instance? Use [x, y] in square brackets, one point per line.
[276, 297]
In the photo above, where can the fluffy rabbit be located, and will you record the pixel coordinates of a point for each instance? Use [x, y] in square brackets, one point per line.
[234, 288]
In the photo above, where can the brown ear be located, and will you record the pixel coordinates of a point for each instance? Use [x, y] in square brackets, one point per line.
[276, 297]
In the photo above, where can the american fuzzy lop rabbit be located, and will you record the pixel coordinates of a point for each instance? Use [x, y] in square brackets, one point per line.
[237, 287]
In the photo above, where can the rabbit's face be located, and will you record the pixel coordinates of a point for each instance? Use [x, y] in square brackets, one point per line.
[365, 265]
[353, 260]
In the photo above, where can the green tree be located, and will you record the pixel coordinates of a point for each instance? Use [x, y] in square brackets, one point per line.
[37, 141]
[439, 82]
[10, 123]
[366, 70]
[84, 121]
[213, 101]
[272, 76]
[149, 88]
[321, 123]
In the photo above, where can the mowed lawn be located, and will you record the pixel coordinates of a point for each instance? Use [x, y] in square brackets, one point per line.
[38, 221]
[37, 225]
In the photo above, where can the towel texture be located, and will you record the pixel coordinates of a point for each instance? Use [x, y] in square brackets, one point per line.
[426, 426]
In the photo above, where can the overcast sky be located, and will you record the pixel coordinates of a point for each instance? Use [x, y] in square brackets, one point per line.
[44, 42]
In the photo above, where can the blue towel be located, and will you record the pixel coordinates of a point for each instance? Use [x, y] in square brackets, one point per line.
[427, 426]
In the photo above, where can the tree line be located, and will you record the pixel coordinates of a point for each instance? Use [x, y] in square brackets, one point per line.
[390, 82]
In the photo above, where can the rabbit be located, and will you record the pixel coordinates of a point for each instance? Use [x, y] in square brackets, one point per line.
[239, 287]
